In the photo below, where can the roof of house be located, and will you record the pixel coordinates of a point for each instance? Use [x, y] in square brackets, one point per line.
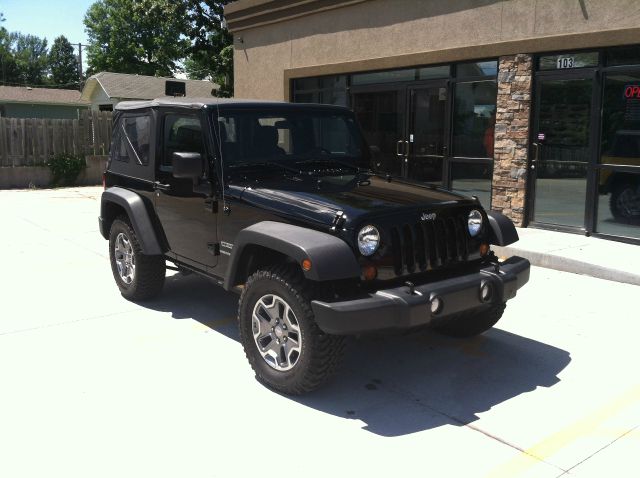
[141, 87]
[25, 94]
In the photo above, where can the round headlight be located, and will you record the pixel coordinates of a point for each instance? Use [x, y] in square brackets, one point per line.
[474, 222]
[368, 240]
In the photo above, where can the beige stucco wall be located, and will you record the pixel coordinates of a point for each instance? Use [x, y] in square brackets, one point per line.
[379, 34]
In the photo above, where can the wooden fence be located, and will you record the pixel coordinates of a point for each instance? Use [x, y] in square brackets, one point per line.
[31, 142]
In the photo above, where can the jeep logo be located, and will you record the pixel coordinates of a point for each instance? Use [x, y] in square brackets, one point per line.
[428, 216]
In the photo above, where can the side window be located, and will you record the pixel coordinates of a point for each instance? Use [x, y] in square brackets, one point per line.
[134, 139]
[182, 134]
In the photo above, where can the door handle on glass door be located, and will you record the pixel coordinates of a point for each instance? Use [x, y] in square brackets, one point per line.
[398, 153]
[536, 152]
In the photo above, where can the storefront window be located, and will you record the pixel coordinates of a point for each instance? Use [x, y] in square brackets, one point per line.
[433, 72]
[619, 203]
[474, 119]
[621, 120]
[383, 77]
[627, 55]
[478, 68]
[325, 89]
[473, 179]
[567, 61]
[619, 189]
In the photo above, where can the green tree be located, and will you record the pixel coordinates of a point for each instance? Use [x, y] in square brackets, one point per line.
[30, 54]
[211, 51]
[136, 36]
[63, 63]
[8, 67]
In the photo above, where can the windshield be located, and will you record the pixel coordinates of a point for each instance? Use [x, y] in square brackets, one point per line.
[296, 139]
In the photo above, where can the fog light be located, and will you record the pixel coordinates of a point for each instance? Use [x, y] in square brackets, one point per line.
[436, 305]
[486, 292]
[369, 272]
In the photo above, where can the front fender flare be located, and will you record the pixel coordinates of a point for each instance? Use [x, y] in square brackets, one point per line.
[331, 257]
[502, 231]
[135, 208]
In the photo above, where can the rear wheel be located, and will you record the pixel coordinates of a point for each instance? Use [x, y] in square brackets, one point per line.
[285, 347]
[138, 276]
[469, 324]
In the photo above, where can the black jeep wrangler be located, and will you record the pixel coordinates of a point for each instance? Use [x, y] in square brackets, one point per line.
[278, 202]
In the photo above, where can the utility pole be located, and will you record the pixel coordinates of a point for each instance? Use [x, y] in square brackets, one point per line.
[79, 62]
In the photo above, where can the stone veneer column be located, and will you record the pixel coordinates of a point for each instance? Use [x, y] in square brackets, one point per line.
[511, 146]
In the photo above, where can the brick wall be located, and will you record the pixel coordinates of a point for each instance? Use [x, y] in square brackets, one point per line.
[515, 76]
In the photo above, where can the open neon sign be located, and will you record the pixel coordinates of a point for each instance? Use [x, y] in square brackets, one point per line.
[632, 91]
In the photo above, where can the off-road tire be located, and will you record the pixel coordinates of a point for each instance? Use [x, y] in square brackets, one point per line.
[321, 354]
[616, 192]
[469, 324]
[149, 270]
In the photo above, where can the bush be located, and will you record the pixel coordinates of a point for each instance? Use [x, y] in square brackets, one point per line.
[65, 168]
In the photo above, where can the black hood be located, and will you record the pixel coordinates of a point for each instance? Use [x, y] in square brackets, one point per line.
[359, 199]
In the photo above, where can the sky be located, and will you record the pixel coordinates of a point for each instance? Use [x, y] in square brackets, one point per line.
[47, 18]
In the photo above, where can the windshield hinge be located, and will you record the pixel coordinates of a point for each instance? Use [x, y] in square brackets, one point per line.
[338, 221]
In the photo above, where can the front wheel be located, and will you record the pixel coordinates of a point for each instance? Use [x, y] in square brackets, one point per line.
[625, 201]
[285, 347]
[138, 276]
[469, 324]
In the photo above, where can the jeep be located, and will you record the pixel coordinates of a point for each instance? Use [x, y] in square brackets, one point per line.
[278, 202]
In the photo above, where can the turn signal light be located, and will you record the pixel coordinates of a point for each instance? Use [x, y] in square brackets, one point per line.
[306, 265]
[369, 272]
[484, 249]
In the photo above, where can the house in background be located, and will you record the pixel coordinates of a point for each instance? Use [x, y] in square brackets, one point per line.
[104, 90]
[27, 102]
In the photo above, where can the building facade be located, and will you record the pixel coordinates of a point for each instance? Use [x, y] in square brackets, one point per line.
[531, 105]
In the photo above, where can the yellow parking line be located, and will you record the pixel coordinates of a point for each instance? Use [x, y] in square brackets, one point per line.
[555, 442]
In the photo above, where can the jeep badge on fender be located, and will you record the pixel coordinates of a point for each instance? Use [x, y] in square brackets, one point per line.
[278, 202]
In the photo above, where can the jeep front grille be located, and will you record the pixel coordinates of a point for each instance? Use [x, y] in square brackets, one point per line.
[429, 244]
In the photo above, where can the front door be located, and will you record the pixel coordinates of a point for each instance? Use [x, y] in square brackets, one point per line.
[561, 149]
[406, 129]
[185, 206]
[380, 113]
[424, 157]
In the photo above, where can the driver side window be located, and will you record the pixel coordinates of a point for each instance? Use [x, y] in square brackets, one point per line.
[182, 134]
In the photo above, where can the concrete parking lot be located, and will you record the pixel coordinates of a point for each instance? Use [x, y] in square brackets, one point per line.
[93, 385]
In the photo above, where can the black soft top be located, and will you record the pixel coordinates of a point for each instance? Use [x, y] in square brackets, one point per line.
[200, 103]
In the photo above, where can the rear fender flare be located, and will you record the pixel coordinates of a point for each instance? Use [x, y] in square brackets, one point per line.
[134, 206]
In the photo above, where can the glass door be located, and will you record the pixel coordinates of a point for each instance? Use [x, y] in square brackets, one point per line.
[381, 117]
[561, 149]
[427, 124]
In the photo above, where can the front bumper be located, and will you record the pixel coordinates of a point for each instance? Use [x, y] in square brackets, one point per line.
[397, 309]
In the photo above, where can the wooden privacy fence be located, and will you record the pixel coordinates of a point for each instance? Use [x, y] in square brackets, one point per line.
[32, 141]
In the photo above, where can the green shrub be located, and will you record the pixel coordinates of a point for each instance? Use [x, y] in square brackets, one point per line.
[65, 168]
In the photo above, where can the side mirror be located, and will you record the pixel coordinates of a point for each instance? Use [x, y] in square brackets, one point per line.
[186, 165]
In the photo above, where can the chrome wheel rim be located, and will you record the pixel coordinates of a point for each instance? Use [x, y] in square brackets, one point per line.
[276, 332]
[125, 260]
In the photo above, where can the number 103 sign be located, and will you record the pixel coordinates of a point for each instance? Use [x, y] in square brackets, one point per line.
[565, 62]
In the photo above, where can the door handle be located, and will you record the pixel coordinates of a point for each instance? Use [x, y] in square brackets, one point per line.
[536, 154]
[398, 144]
[161, 186]
[211, 205]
